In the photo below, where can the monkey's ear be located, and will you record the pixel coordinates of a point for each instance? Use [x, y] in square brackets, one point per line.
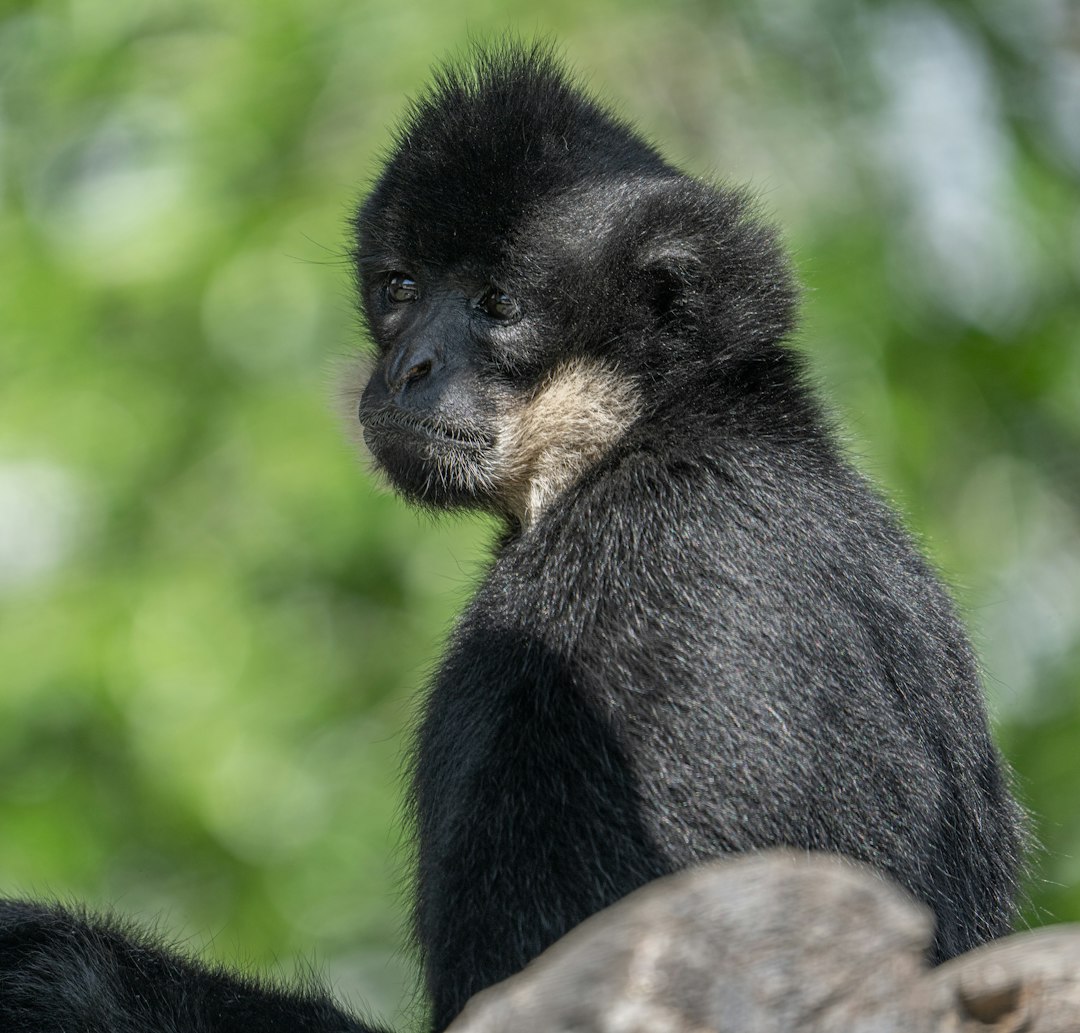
[672, 274]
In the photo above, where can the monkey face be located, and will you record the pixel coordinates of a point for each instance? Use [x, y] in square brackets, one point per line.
[464, 408]
[431, 409]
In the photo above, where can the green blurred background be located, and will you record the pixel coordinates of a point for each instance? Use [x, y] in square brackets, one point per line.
[213, 622]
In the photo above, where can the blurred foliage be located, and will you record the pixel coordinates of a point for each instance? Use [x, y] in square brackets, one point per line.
[213, 624]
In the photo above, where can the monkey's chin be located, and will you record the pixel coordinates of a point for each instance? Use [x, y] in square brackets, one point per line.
[434, 474]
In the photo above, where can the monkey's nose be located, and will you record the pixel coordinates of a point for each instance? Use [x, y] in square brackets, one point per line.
[417, 372]
[409, 366]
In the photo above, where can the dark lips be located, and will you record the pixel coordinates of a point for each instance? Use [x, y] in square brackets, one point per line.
[395, 421]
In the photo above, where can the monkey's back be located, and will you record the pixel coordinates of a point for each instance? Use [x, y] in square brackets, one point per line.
[720, 640]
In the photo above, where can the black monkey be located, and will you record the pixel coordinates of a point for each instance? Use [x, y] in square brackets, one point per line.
[701, 632]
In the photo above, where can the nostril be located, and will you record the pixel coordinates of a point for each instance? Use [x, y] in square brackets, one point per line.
[417, 372]
[411, 365]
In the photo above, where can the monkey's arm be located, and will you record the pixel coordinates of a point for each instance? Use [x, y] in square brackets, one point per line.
[61, 970]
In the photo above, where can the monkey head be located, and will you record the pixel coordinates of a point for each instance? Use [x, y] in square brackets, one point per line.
[535, 278]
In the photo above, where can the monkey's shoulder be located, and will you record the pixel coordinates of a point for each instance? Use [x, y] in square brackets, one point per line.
[701, 541]
[683, 502]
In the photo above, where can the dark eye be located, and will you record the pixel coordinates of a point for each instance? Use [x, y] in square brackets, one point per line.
[402, 287]
[500, 306]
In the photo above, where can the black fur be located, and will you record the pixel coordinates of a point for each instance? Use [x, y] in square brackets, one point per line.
[715, 639]
[62, 971]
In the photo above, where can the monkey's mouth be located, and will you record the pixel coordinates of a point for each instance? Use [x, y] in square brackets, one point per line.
[429, 460]
[440, 433]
